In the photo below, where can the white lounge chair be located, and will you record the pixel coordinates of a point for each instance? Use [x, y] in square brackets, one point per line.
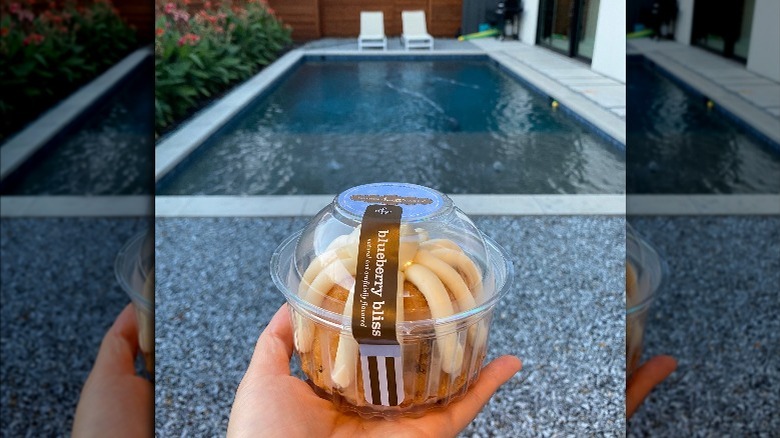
[372, 31]
[415, 33]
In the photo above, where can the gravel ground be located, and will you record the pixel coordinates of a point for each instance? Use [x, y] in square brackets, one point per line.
[59, 295]
[718, 315]
[726, 335]
[564, 317]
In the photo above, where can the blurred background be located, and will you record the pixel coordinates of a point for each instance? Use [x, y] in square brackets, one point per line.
[703, 179]
[76, 184]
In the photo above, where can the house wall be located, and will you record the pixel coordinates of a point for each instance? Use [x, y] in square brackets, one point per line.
[609, 51]
[529, 21]
[301, 15]
[473, 14]
[763, 53]
[763, 56]
[476, 12]
[684, 23]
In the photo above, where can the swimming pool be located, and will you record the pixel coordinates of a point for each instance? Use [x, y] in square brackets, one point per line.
[676, 144]
[460, 125]
[107, 151]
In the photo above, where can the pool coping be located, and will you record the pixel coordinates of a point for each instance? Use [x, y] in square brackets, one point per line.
[23, 145]
[174, 148]
[486, 205]
[76, 206]
[703, 205]
[308, 205]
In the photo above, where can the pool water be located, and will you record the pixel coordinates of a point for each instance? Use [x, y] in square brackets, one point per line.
[459, 126]
[677, 145]
[108, 152]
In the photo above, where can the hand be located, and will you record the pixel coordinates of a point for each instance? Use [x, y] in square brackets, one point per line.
[272, 403]
[115, 401]
[645, 378]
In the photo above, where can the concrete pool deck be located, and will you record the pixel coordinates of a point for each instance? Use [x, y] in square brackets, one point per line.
[753, 99]
[488, 205]
[309, 205]
[76, 206]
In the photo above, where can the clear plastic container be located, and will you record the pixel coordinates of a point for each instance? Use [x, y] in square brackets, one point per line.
[450, 277]
[134, 269]
[645, 275]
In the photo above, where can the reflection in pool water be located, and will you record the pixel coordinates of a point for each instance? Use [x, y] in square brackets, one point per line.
[677, 145]
[458, 126]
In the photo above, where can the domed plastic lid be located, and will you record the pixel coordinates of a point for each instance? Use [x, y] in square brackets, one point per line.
[405, 237]
[133, 265]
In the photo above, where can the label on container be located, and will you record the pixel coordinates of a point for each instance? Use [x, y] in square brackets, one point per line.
[417, 201]
[374, 305]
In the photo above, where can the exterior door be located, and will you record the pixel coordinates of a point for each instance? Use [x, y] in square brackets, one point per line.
[568, 26]
[723, 26]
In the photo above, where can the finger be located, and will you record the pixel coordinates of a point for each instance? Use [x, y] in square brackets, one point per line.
[495, 374]
[644, 379]
[119, 346]
[274, 347]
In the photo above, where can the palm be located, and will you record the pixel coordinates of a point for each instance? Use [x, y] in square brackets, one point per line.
[270, 402]
[112, 403]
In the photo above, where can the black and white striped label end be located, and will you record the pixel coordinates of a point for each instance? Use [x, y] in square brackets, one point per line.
[382, 369]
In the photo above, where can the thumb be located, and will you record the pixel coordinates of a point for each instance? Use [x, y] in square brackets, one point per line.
[274, 347]
[644, 379]
[119, 346]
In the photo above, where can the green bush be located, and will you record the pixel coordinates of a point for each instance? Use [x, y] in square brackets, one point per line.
[47, 55]
[200, 55]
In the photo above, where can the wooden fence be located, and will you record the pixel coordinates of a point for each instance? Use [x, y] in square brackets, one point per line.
[312, 19]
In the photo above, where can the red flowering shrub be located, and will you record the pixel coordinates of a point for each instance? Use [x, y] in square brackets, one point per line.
[45, 56]
[199, 54]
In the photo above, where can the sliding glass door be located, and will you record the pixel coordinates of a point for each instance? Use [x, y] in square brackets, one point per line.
[723, 26]
[568, 26]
